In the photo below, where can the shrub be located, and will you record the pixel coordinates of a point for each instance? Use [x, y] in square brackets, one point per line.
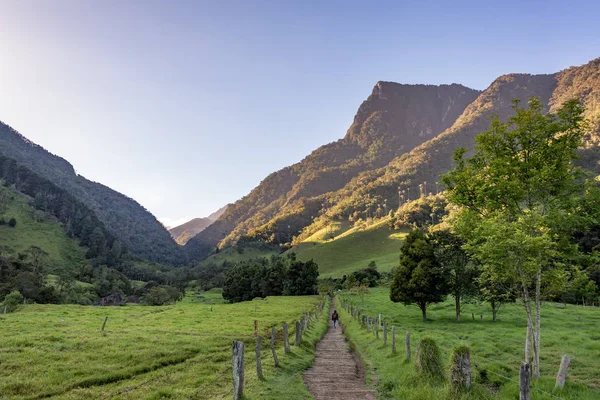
[429, 361]
[12, 222]
[11, 301]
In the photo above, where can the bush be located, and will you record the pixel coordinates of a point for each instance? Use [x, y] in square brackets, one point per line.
[12, 222]
[11, 301]
[161, 295]
[429, 361]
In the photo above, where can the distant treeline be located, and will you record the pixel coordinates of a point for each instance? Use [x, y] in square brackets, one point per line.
[275, 276]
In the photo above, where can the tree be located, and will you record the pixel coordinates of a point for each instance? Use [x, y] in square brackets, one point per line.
[11, 301]
[496, 290]
[518, 194]
[419, 279]
[360, 290]
[462, 272]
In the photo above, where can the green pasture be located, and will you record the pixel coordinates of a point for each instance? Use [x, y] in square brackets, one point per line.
[352, 249]
[496, 347]
[172, 352]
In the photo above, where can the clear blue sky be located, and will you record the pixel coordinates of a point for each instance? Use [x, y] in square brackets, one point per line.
[187, 105]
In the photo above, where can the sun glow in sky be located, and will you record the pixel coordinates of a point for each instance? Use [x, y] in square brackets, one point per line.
[187, 105]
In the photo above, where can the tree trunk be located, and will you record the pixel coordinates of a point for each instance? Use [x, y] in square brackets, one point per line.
[457, 302]
[494, 311]
[538, 329]
[424, 311]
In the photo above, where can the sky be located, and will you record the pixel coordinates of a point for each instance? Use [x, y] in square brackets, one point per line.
[186, 106]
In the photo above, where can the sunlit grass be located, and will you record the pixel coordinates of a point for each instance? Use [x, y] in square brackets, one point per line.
[180, 351]
[496, 348]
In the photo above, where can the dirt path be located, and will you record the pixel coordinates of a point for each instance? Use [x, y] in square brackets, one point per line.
[337, 373]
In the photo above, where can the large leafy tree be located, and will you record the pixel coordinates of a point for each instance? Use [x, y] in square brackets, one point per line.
[461, 271]
[519, 195]
[419, 279]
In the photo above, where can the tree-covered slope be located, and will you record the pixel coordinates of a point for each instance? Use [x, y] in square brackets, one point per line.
[394, 119]
[36, 228]
[135, 227]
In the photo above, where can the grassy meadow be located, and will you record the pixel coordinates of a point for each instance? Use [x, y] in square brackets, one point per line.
[352, 248]
[496, 348]
[181, 351]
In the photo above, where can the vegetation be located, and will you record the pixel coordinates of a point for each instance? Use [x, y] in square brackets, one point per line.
[419, 279]
[520, 194]
[36, 170]
[496, 348]
[180, 351]
[275, 276]
[355, 248]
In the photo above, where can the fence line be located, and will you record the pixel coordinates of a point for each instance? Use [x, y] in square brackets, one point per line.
[372, 325]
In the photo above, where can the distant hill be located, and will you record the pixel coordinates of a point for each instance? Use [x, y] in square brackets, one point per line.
[188, 230]
[132, 224]
[401, 141]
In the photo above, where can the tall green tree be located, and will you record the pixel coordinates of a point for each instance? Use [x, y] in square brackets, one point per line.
[462, 272]
[518, 195]
[419, 279]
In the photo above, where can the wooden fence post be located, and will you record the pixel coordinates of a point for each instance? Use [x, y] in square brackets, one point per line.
[103, 324]
[524, 384]
[377, 331]
[562, 372]
[460, 372]
[393, 340]
[258, 362]
[408, 346]
[255, 328]
[238, 369]
[286, 339]
[298, 333]
[384, 334]
[273, 347]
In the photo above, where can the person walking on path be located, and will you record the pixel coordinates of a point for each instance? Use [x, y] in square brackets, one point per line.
[334, 317]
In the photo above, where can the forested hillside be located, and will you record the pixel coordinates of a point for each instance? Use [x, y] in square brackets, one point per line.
[394, 119]
[401, 141]
[123, 217]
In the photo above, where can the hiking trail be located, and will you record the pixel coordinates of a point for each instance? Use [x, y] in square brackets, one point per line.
[337, 373]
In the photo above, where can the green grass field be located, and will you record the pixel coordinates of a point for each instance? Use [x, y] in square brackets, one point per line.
[352, 248]
[46, 234]
[180, 352]
[496, 348]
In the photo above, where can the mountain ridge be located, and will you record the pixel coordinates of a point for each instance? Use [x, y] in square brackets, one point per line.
[375, 187]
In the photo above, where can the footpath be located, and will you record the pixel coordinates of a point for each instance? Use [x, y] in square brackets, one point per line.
[337, 372]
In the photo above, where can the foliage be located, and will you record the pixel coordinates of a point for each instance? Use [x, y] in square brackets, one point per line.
[12, 222]
[462, 272]
[421, 212]
[419, 279]
[275, 276]
[161, 295]
[365, 276]
[518, 195]
[429, 360]
[11, 301]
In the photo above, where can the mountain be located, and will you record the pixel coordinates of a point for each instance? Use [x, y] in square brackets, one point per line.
[188, 230]
[401, 141]
[390, 122]
[132, 224]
